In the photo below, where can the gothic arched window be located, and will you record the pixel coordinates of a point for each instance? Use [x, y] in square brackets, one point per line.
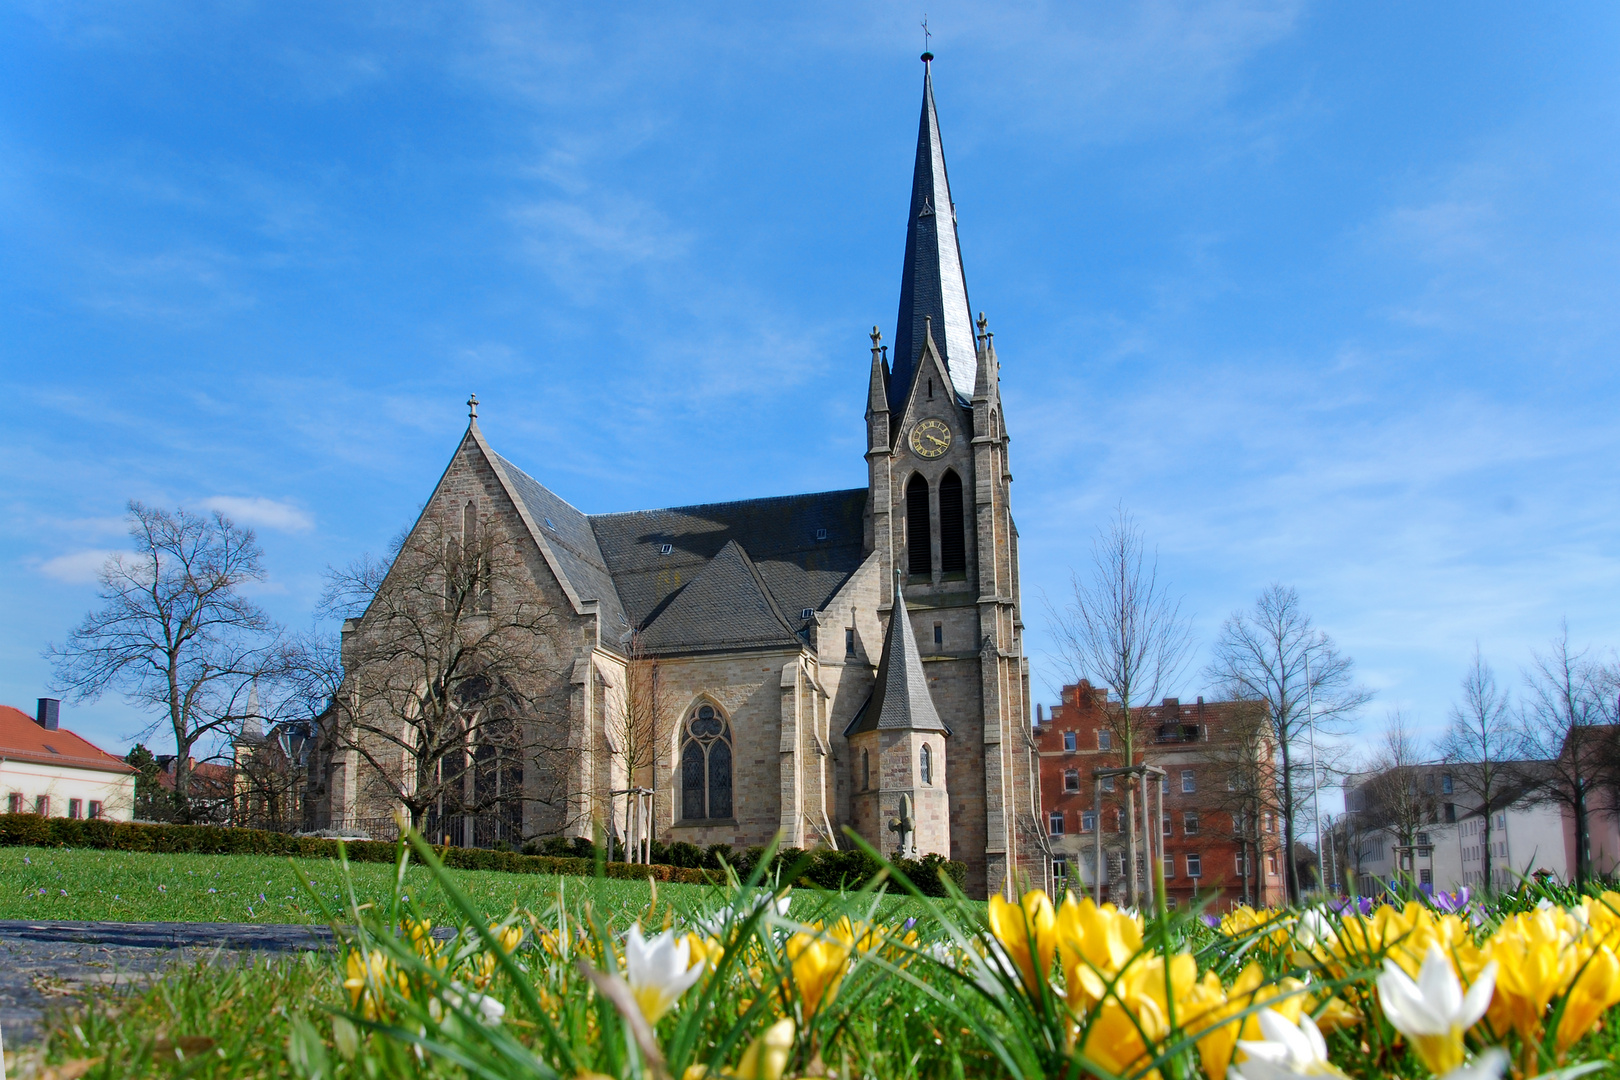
[927, 763]
[952, 529]
[706, 766]
[919, 539]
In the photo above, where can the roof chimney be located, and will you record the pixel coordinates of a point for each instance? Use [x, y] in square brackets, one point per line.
[49, 714]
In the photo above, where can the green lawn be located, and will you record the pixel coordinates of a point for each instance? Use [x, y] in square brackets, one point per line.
[122, 886]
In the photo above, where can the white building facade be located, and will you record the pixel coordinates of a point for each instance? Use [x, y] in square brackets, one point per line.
[48, 770]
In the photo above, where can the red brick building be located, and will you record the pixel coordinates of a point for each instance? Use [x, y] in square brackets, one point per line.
[1221, 833]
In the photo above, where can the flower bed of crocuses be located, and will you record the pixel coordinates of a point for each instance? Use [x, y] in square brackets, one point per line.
[735, 987]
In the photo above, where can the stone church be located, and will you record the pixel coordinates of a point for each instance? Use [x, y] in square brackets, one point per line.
[831, 658]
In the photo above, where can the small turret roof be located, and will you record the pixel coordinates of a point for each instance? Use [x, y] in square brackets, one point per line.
[900, 697]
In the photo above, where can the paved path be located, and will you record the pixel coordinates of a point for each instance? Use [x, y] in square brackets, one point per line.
[43, 964]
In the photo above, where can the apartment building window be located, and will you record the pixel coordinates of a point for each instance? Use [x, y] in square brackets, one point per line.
[1056, 823]
[1071, 742]
[1169, 866]
[1238, 865]
[15, 803]
[1271, 864]
[1445, 784]
[1170, 903]
[1088, 821]
[1425, 876]
[1164, 784]
[75, 808]
[1187, 782]
[1451, 813]
[42, 805]
[1108, 783]
[1189, 824]
[1271, 821]
[1423, 839]
[95, 809]
[1060, 869]
[1105, 739]
[1071, 780]
[1195, 866]
[1166, 826]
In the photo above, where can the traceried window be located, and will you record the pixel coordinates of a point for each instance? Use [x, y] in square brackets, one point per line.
[926, 764]
[706, 766]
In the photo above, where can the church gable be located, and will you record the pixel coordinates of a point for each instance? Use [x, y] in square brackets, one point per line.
[727, 606]
[932, 395]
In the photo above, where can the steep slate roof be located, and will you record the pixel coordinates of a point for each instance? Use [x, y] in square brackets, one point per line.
[900, 698]
[779, 535]
[727, 606]
[617, 560]
[22, 739]
[572, 543]
[932, 282]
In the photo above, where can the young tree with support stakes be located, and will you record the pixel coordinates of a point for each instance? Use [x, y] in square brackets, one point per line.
[1274, 655]
[1124, 631]
[174, 633]
[1481, 741]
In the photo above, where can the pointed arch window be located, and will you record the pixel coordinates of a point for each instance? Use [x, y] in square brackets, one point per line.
[926, 764]
[706, 766]
[919, 535]
[866, 770]
[952, 528]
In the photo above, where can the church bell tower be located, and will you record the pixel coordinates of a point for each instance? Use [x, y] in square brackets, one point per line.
[939, 522]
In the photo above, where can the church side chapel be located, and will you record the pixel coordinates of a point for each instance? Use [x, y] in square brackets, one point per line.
[724, 673]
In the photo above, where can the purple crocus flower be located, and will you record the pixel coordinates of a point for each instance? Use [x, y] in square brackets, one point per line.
[1210, 921]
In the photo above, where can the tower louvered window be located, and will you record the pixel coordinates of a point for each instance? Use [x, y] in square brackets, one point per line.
[706, 766]
[919, 538]
[952, 528]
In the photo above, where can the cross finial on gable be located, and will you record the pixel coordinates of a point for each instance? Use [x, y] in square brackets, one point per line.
[983, 322]
[472, 407]
[877, 336]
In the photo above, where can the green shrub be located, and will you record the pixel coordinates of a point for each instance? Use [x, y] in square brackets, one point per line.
[685, 863]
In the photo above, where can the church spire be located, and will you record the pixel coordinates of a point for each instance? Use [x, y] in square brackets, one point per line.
[932, 283]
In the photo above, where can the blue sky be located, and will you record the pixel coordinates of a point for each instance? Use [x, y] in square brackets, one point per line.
[1323, 293]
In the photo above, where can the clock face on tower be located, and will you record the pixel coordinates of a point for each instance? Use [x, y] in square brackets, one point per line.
[930, 438]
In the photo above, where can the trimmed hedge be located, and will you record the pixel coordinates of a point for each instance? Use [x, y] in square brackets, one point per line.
[828, 868]
[35, 831]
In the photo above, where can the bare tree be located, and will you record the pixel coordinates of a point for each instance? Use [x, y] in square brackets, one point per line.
[174, 634]
[1273, 654]
[1481, 741]
[1397, 800]
[638, 723]
[451, 680]
[1123, 631]
[1563, 723]
[1242, 752]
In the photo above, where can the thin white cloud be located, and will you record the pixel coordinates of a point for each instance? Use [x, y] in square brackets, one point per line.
[265, 513]
[77, 567]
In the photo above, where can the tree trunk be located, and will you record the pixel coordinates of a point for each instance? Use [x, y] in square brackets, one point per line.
[1290, 871]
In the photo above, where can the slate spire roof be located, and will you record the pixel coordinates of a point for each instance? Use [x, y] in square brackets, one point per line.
[932, 282]
[900, 698]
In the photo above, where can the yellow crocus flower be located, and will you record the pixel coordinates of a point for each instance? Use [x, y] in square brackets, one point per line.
[1027, 932]
[818, 965]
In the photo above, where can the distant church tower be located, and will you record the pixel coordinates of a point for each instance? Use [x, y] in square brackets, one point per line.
[939, 517]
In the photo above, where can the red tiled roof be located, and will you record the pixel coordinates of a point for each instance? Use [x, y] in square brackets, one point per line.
[24, 740]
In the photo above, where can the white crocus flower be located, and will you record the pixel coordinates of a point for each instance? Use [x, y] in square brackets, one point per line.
[490, 1011]
[659, 971]
[1314, 929]
[1432, 1011]
[1286, 1051]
